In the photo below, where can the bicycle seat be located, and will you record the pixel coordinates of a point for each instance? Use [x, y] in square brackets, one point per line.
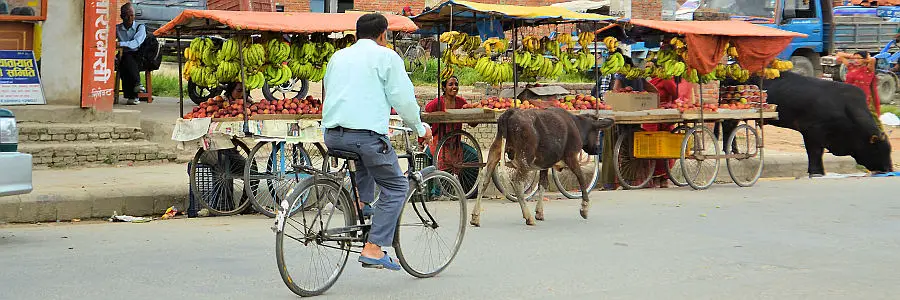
[343, 154]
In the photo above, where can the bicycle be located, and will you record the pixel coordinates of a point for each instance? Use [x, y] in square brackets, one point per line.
[333, 202]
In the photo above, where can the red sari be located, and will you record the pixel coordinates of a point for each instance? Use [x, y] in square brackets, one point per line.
[438, 131]
[668, 92]
[862, 77]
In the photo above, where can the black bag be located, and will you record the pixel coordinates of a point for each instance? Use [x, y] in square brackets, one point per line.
[148, 52]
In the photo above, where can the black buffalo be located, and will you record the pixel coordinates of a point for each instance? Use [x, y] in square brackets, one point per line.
[536, 140]
[830, 115]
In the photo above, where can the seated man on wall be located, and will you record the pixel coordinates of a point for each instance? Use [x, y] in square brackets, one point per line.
[130, 35]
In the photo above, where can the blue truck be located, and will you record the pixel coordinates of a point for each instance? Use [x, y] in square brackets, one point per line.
[829, 30]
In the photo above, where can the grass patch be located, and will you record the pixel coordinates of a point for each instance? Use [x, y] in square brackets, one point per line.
[894, 109]
[165, 86]
[468, 76]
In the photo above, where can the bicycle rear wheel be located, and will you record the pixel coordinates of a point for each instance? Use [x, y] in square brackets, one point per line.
[310, 261]
[431, 226]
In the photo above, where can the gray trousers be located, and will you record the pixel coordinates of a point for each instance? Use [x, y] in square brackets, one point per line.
[379, 165]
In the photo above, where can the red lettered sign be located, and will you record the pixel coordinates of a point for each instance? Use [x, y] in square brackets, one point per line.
[98, 60]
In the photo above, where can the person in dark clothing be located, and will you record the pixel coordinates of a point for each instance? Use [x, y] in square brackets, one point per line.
[130, 35]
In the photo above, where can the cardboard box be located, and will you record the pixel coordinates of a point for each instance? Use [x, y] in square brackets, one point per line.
[536, 93]
[631, 101]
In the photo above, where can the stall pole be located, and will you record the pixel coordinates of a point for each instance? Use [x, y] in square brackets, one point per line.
[761, 120]
[180, 76]
[596, 71]
[245, 89]
[515, 69]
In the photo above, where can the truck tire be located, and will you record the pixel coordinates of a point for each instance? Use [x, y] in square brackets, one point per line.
[887, 87]
[803, 66]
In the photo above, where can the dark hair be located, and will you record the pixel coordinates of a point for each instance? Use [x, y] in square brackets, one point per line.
[22, 11]
[370, 26]
[229, 89]
[445, 82]
[862, 54]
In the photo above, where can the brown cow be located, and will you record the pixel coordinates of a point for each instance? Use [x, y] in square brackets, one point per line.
[538, 140]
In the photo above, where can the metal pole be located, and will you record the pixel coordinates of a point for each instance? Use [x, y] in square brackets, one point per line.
[596, 71]
[762, 121]
[245, 89]
[180, 76]
[515, 69]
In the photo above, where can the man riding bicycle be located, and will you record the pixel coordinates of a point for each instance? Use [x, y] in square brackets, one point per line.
[362, 83]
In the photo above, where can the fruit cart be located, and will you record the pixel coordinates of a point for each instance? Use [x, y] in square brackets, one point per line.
[458, 152]
[262, 48]
[700, 52]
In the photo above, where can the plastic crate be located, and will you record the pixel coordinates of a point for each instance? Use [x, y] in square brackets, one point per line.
[658, 144]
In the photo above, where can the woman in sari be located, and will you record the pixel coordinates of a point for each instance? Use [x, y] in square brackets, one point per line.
[454, 151]
[861, 73]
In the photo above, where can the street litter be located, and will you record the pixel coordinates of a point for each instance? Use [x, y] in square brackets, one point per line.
[170, 213]
[839, 176]
[125, 218]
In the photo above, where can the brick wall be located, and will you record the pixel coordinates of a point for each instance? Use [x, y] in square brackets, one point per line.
[417, 6]
[646, 9]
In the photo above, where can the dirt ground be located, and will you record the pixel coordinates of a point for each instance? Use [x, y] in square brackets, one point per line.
[786, 140]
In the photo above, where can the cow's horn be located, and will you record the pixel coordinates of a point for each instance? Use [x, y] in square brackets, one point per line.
[873, 139]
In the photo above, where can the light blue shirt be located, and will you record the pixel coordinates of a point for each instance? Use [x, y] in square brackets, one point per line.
[131, 38]
[362, 83]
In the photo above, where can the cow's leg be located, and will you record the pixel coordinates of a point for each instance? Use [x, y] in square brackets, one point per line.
[539, 207]
[814, 151]
[485, 179]
[572, 163]
[519, 188]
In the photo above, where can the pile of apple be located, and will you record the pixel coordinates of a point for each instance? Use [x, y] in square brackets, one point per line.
[219, 107]
[580, 102]
[686, 105]
[500, 103]
[308, 105]
[742, 93]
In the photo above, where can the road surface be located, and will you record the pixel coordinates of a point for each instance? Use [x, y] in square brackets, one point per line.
[815, 239]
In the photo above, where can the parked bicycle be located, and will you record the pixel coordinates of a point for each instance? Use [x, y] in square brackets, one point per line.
[312, 245]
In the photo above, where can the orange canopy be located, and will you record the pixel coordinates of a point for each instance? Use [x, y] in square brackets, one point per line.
[286, 22]
[757, 45]
[723, 28]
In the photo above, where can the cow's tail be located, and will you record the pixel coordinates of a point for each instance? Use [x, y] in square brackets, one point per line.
[502, 124]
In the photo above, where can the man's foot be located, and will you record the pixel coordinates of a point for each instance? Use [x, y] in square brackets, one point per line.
[131, 101]
[373, 257]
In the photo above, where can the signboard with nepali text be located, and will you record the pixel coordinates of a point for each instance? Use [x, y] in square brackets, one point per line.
[20, 82]
[98, 58]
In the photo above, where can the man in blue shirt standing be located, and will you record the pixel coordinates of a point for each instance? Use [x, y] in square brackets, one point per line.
[130, 35]
[362, 83]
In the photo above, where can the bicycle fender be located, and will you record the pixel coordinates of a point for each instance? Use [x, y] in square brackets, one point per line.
[427, 170]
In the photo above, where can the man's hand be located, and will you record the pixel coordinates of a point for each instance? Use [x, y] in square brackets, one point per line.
[428, 133]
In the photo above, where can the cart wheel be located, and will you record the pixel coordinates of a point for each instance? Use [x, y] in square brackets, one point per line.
[567, 183]
[503, 182]
[744, 140]
[199, 94]
[270, 174]
[698, 167]
[216, 178]
[633, 173]
[673, 166]
[461, 156]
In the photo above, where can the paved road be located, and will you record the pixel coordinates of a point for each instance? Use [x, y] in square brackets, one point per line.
[817, 239]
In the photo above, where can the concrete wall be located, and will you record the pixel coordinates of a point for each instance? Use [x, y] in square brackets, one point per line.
[61, 58]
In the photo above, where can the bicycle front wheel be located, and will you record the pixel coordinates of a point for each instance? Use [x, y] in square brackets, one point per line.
[310, 260]
[431, 226]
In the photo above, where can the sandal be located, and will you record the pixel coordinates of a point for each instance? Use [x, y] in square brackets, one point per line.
[385, 262]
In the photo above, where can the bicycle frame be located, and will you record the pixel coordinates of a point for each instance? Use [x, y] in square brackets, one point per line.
[350, 167]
